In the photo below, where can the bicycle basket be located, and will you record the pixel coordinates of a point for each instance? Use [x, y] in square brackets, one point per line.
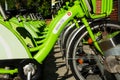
[98, 8]
[102, 6]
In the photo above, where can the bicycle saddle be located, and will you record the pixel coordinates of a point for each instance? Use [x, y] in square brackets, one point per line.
[23, 11]
[11, 13]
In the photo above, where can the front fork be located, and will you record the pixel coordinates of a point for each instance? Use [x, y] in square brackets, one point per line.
[85, 22]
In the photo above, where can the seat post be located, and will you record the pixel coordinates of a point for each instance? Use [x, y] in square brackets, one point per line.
[2, 12]
[6, 5]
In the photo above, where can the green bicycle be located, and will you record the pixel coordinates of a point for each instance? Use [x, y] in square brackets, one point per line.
[101, 61]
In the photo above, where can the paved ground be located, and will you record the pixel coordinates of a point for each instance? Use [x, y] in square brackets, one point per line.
[55, 68]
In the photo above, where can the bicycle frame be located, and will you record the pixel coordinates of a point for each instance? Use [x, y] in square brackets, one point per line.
[58, 24]
[79, 10]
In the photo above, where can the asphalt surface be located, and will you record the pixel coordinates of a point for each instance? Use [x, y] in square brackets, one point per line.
[55, 68]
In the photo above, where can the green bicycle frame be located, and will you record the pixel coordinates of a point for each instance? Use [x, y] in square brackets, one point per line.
[78, 10]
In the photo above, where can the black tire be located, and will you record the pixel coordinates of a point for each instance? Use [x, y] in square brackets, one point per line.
[88, 70]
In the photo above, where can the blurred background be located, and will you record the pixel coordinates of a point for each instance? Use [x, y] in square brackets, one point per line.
[42, 6]
[49, 7]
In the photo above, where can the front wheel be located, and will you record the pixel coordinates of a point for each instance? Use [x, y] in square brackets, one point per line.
[85, 61]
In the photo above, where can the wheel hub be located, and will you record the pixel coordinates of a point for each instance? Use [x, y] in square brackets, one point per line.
[29, 68]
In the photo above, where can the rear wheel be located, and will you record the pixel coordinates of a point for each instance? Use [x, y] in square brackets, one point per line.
[84, 60]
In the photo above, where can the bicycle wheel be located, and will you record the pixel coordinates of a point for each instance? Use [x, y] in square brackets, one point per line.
[84, 60]
[65, 36]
